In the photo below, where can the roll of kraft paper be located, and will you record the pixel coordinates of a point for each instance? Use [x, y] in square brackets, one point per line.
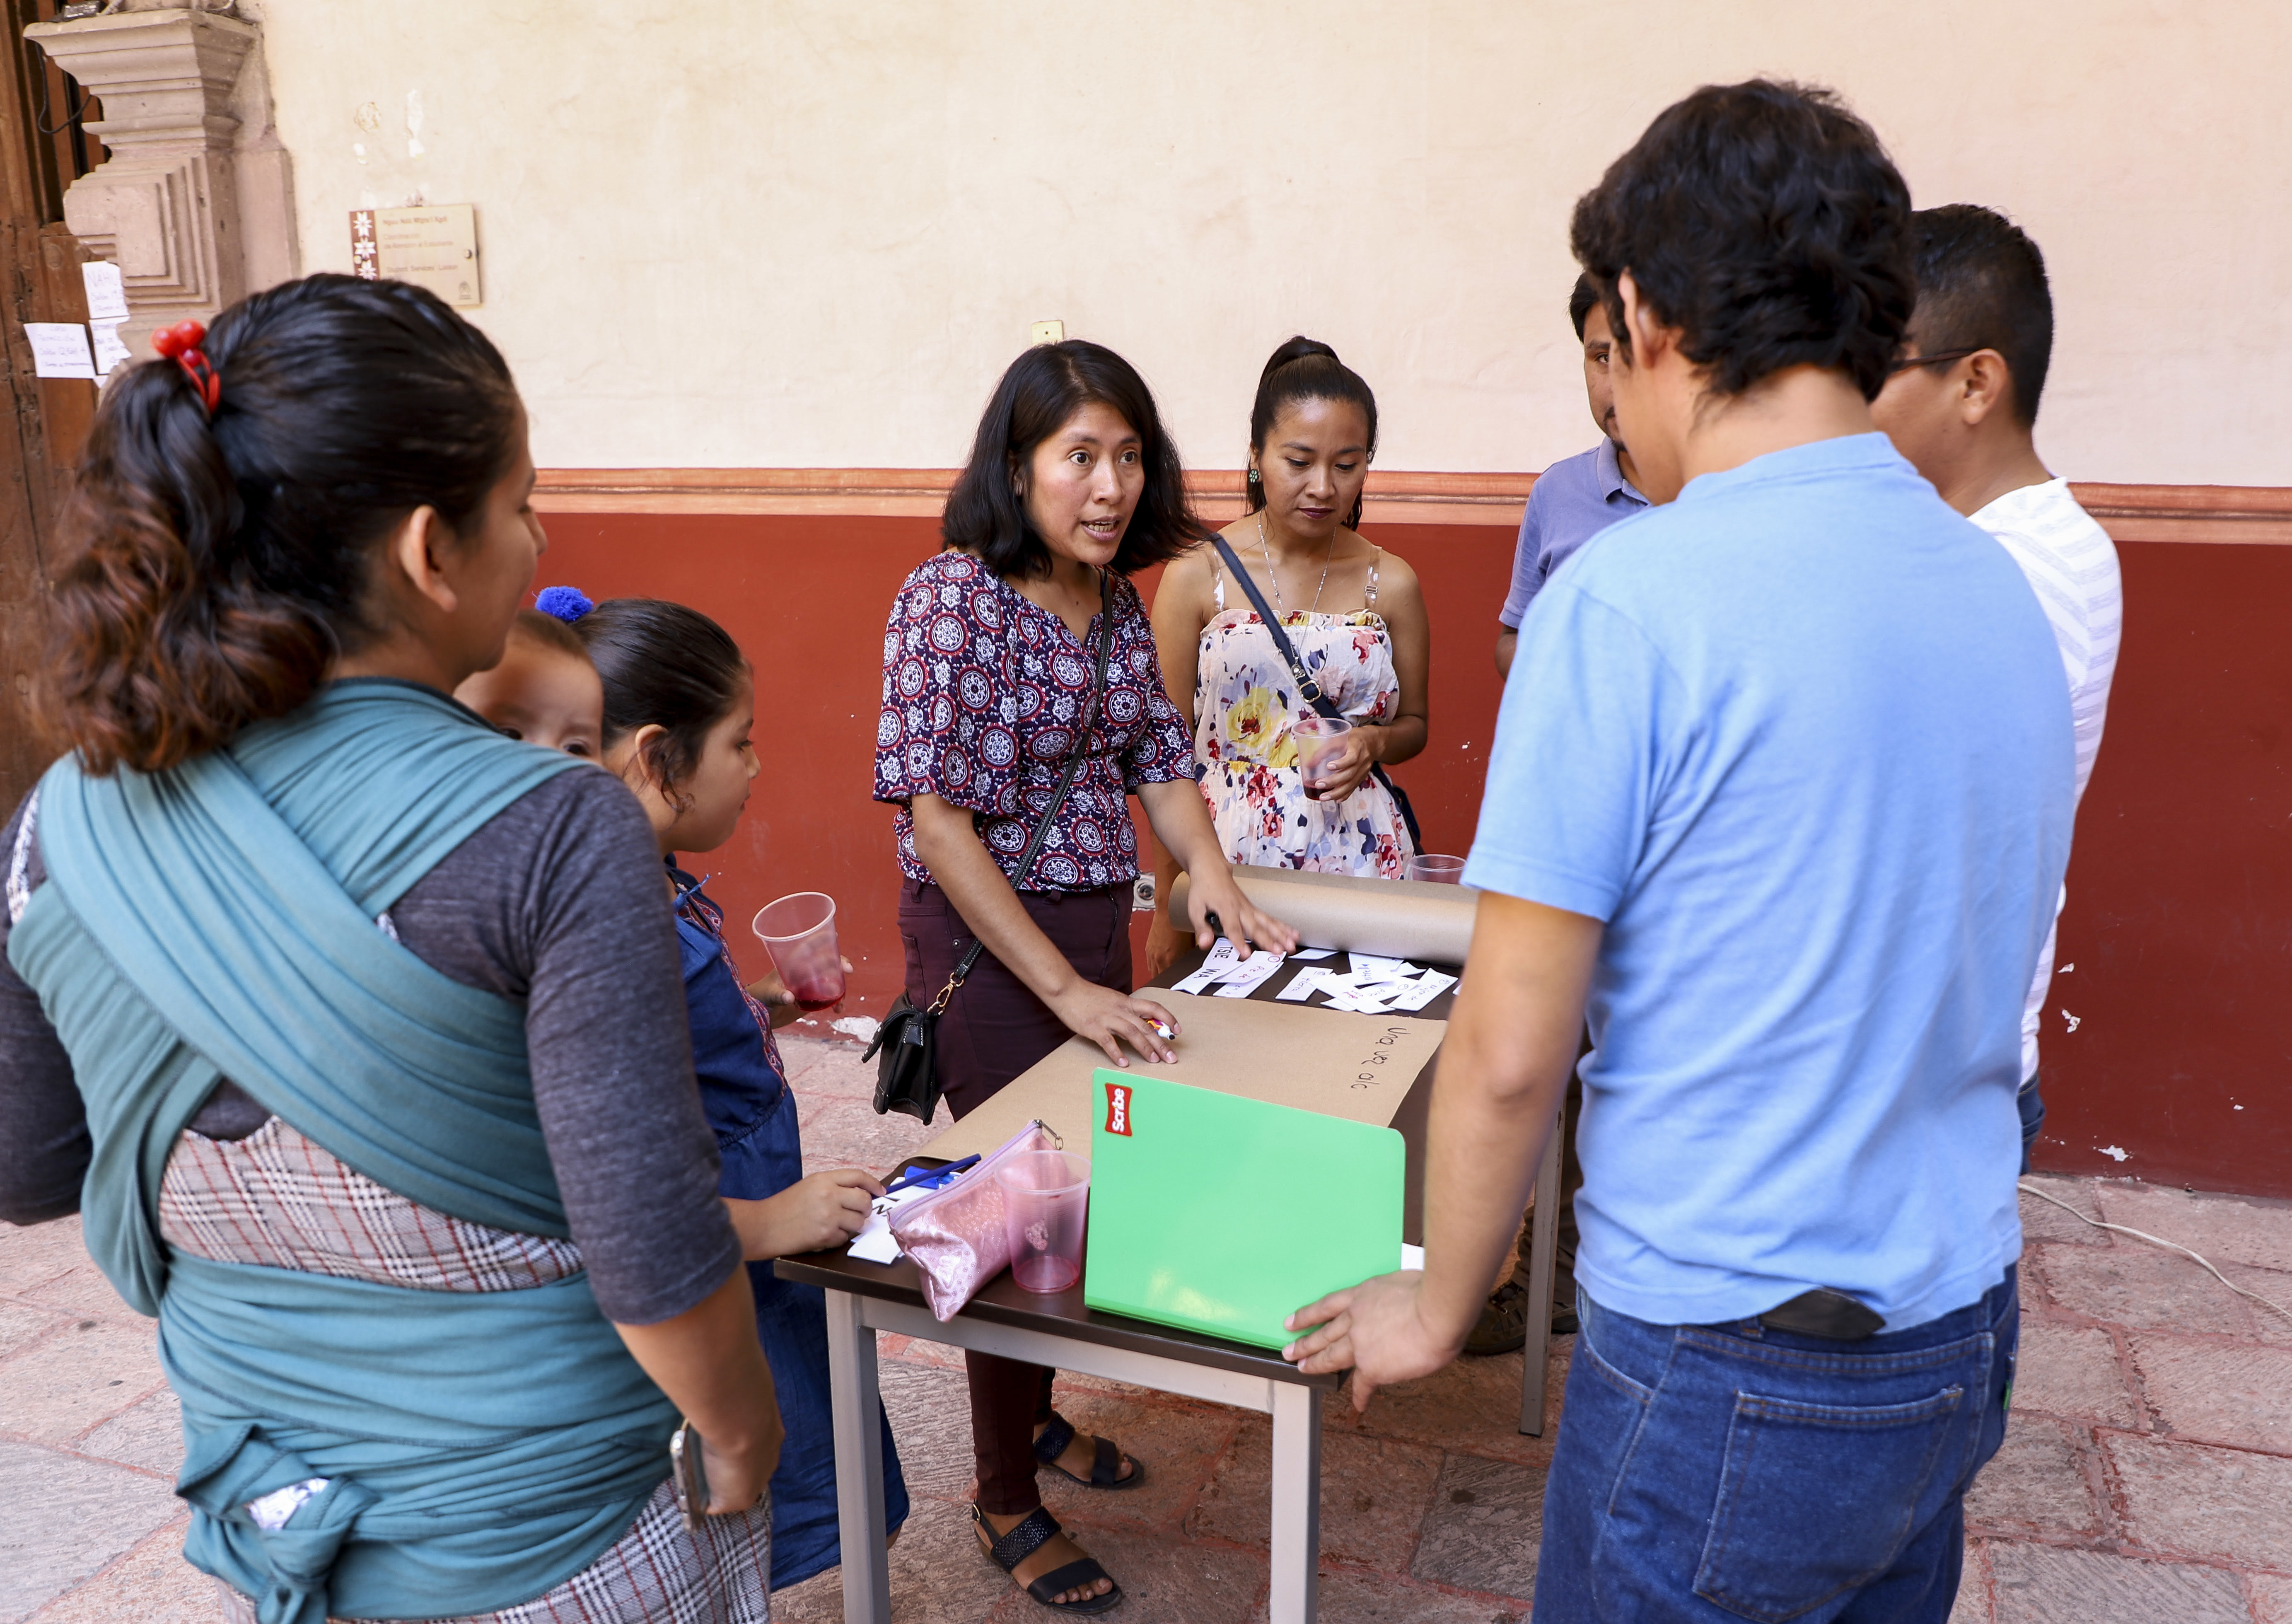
[1391, 918]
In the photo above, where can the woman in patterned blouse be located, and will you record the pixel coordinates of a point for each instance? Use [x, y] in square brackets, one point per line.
[988, 665]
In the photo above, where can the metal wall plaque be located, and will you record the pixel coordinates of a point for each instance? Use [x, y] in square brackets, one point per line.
[434, 244]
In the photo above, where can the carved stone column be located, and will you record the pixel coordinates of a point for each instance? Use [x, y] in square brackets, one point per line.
[185, 177]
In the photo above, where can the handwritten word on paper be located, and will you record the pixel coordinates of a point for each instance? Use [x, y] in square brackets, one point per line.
[1225, 968]
[109, 352]
[107, 292]
[59, 349]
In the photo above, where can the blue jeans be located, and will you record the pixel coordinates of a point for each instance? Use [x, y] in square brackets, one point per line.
[1727, 1472]
[2033, 1107]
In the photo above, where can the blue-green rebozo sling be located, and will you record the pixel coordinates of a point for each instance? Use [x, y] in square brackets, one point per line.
[217, 920]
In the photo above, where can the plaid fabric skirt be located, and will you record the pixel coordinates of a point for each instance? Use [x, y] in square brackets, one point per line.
[277, 1199]
[655, 1574]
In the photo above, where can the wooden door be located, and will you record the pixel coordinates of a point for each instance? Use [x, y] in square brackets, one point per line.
[43, 148]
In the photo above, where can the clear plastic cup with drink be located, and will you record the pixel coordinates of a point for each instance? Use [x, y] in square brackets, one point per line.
[1321, 740]
[799, 932]
[1437, 868]
[1045, 1194]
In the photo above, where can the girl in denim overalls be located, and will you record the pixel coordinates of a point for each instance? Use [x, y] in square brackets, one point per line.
[679, 705]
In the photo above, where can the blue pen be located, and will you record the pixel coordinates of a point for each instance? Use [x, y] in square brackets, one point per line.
[924, 1177]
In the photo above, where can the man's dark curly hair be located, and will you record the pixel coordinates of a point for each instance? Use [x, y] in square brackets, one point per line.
[1581, 298]
[1767, 223]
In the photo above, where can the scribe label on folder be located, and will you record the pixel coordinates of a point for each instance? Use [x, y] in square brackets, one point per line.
[1118, 1109]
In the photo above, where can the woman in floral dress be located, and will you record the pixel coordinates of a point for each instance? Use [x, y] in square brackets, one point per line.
[1354, 613]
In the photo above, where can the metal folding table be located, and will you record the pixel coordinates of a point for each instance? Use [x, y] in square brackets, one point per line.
[1059, 1330]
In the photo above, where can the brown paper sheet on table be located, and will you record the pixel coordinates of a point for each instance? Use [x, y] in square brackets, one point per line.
[1331, 1060]
[1390, 918]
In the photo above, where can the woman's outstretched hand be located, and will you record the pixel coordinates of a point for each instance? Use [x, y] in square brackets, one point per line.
[1214, 892]
[1375, 1329]
[1110, 1019]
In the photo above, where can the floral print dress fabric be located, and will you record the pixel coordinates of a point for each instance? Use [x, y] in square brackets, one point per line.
[1246, 702]
[982, 691]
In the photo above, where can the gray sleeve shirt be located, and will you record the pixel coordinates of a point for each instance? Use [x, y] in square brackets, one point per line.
[558, 904]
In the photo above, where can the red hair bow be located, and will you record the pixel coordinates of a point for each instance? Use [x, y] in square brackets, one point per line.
[181, 344]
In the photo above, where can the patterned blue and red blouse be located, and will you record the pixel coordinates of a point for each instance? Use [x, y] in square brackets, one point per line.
[982, 690]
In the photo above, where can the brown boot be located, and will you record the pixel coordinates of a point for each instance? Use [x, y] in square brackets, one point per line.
[1504, 1323]
[1503, 1326]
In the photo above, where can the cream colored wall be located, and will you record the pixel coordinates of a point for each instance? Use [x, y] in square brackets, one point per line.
[810, 233]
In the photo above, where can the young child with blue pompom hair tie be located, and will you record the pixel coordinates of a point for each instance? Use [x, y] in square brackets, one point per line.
[680, 705]
[545, 689]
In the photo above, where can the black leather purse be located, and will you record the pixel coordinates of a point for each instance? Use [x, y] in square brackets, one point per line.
[905, 1079]
[1310, 691]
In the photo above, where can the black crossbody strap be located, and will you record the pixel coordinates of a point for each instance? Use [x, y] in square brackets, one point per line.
[1308, 689]
[1089, 716]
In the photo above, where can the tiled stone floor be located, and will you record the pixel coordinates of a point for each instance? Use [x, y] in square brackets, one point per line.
[2147, 1475]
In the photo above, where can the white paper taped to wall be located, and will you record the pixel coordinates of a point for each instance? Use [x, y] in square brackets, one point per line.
[107, 292]
[59, 349]
[108, 350]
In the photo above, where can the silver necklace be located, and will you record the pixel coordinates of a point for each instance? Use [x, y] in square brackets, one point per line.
[1275, 575]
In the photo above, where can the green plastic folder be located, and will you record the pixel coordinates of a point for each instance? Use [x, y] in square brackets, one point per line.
[1220, 1214]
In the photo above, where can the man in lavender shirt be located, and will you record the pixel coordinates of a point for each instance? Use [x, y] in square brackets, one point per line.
[1573, 500]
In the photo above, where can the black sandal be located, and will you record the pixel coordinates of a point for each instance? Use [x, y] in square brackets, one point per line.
[1033, 1531]
[1104, 1468]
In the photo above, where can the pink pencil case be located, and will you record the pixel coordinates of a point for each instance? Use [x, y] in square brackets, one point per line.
[955, 1236]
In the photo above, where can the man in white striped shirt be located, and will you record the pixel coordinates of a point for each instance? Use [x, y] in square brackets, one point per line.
[1962, 405]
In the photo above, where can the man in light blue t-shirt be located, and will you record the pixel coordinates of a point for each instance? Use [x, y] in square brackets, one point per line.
[1788, 814]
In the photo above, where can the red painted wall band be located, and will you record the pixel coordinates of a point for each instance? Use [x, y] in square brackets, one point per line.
[2220, 513]
[2179, 926]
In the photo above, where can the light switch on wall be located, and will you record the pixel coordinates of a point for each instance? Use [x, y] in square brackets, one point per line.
[1047, 333]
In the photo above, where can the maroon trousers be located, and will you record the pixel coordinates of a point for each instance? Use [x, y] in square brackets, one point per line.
[993, 1030]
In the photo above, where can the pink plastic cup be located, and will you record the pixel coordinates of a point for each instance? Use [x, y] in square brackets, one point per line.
[1044, 1193]
[1436, 869]
[1321, 740]
[799, 931]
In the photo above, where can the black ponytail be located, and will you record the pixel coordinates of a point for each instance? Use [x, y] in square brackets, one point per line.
[223, 560]
[1306, 369]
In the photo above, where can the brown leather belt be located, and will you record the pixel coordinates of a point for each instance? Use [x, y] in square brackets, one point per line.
[1832, 1315]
